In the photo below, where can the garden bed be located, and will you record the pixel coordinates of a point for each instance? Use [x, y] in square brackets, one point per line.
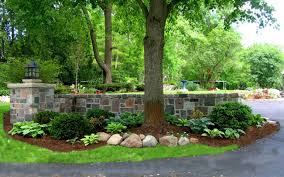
[252, 134]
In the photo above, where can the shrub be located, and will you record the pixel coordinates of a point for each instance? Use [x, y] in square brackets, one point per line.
[115, 87]
[231, 115]
[130, 120]
[115, 127]
[62, 89]
[30, 129]
[97, 118]
[171, 119]
[182, 122]
[44, 117]
[4, 92]
[90, 139]
[198, 125]
[196, 114]
[192, 86]
[68, 126]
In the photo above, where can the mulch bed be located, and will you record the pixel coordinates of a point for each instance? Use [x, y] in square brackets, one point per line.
[252, 134]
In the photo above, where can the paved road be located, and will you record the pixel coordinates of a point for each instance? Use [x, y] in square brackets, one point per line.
[262, 159]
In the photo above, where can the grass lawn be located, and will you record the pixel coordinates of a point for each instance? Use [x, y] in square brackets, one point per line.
[12, 151]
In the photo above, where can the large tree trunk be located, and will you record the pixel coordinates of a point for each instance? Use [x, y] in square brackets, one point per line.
[153, 56]
[108, 41]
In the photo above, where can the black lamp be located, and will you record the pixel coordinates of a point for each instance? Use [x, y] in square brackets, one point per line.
[32, 70]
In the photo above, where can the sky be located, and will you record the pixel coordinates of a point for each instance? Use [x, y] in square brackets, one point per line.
[251, 35]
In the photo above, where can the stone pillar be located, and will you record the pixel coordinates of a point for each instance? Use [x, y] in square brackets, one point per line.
[28, 98]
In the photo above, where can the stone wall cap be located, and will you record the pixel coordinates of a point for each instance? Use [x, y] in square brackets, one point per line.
[30, 85]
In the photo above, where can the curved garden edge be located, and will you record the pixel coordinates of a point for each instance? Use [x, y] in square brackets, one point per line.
[252, 134]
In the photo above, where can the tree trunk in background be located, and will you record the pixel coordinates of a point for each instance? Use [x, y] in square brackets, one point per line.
[153, 56]
[93, 36]
[108, 41]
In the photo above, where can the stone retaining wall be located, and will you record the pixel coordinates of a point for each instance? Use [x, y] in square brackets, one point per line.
[179, 104]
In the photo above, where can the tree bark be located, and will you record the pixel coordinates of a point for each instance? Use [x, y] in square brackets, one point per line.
[153, 56]
[108, 41]
[93, 36]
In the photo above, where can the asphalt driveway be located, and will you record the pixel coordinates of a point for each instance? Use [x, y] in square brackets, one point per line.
[262, 159]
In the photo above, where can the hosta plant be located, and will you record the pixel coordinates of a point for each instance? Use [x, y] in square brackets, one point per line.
[198, 125]
[213, 133]
[115, 127]
[233, 134]
[30, 129]
[90, 139]
[182, 122]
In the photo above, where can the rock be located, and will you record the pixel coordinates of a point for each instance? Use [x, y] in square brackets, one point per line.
[149, 141]
[114, 139]
[103, 136]
[142, 136]
[193, 140]
[183, 141]
[125, 135]
[168, 140]
[133, 141]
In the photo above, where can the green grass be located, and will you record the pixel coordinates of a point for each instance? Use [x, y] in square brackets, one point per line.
[13, 151]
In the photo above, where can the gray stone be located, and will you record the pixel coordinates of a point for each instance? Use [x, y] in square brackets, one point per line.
[168, 141]
[149, 141]
[125, 135]
[183, 141]
[133, 141]
[114, 139]
[103, 136]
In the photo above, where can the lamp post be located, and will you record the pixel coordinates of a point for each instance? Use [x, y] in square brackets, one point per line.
[31, 72]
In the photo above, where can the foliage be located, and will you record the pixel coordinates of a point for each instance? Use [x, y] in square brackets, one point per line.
[4, 92]
[213, 133]
[172, 119]
[44, 117]
[198, 125]
[182, 122]
[115, 127]
[73, 141]
[115, 87]
[96, 113]
[128, 119]
[90, 139]
[62, 89]
[266, 64]
[68, 126]
[30, 129]
[196, 114]
[257, 120]
[231, 115]
[233, 134]
[192, 86]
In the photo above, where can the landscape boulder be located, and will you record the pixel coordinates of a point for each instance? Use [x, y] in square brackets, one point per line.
[168, 140]
[183, 141]
[114, 139]
[149, 141]
[133, 141]
[193, 140]
[103, 136]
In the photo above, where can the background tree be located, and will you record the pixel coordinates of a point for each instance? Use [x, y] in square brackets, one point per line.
[266, 64]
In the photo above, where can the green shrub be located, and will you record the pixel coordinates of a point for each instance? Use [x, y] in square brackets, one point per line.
[44, 117]
[182, 122]
[171, 119]
[231, 115]
[97, 118]
[115, 87]
[196, 114]
[198, 125]
[30, 129]
[192, 86]
[115, 127]
[62, 89]
[128, 119]
[90, 139]
[4, 92]
[68, 126]
[139, 87]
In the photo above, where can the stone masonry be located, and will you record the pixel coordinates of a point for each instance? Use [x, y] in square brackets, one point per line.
[178, 104]
[29, 98]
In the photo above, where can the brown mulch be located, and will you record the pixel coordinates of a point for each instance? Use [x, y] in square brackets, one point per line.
[252, 134]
